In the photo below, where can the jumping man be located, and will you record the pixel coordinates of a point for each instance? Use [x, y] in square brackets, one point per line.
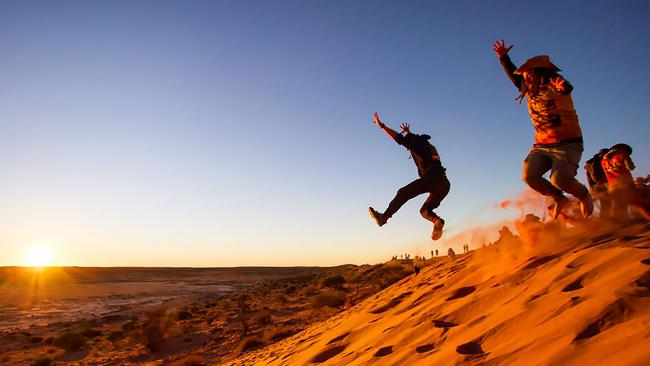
[433, 179]
[558, 139]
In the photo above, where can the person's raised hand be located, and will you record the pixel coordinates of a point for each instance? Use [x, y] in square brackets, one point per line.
[558, 83]
[500, 48]
[406, 128]
[377, 122]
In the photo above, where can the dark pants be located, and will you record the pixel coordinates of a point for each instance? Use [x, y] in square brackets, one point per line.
[437, 187]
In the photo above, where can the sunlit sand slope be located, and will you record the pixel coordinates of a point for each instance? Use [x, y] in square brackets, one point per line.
[558, 297]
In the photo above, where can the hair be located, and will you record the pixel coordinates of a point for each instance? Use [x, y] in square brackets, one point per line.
[540, 77]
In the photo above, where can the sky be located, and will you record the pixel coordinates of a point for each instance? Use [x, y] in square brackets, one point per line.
[230, 133]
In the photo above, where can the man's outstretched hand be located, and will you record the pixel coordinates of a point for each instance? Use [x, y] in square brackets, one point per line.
[500, 48]
[406, 128]
[377, 122]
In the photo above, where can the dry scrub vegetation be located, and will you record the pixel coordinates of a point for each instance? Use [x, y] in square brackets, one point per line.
[220, 328]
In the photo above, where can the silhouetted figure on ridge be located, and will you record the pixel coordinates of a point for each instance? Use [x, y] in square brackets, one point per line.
[558, 138]
[433, 179]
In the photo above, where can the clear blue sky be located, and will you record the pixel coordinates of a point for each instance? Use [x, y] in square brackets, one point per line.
[214, 133]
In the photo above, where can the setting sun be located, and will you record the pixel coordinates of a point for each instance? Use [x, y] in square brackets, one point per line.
[40, 256]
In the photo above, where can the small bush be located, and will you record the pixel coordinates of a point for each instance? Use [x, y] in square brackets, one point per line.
[291, 289]
[36, 339]
[183, 315]
[309, 290]
[129, 327]
[49, 340]
[115, 336]
[249, 344]
[69, 341]
[263, 318]
[90, 333]
[156, 328]
[281, 298]
[335, 282]
[43, 361]
[191, 360]
[334, 299]
[278, 333]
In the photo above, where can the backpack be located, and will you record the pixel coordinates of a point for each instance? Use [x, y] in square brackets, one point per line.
[595, 171]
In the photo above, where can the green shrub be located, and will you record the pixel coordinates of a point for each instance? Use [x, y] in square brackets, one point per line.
[69, 341]
[36, 339]
[291, 289]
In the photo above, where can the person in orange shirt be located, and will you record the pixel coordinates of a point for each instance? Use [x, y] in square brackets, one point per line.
[617, 165]
[558, 138]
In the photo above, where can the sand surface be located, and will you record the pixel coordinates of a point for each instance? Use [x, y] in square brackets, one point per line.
[576, 296]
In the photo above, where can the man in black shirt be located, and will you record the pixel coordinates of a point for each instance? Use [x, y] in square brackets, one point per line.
[433, 179]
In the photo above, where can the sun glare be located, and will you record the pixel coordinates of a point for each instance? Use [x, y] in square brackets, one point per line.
[40, 256]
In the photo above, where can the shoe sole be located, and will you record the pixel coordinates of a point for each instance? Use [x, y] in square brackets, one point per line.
[372, 214]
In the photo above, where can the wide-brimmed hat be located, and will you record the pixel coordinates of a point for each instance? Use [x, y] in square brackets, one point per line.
[623, 147]
[537, 62]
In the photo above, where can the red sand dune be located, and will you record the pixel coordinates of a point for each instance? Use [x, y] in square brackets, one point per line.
[554, 297]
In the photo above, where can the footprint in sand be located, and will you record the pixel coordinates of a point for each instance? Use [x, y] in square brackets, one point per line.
[614, 313]
[644, 282]
[424, 348]
[327, 354]
[384, 351]
[536, 262]
[339, 338]
[470, 348]
[646, 261]
[461, 292]
[392, 303]
[443, 324]
[603, 238]
[631, 237]
[575, 285]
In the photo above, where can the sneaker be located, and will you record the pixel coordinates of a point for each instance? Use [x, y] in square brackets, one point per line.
[379, 218]
[557, 206]
[587, 206]
[437, 229]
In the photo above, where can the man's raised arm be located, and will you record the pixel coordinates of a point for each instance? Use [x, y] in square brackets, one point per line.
[377, 122]
[501, 50]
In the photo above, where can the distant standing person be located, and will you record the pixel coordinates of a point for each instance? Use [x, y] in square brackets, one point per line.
[598, 182]
[558, 138]
[433, 179]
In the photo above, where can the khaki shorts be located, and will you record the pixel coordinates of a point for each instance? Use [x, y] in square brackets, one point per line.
[562, 160]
